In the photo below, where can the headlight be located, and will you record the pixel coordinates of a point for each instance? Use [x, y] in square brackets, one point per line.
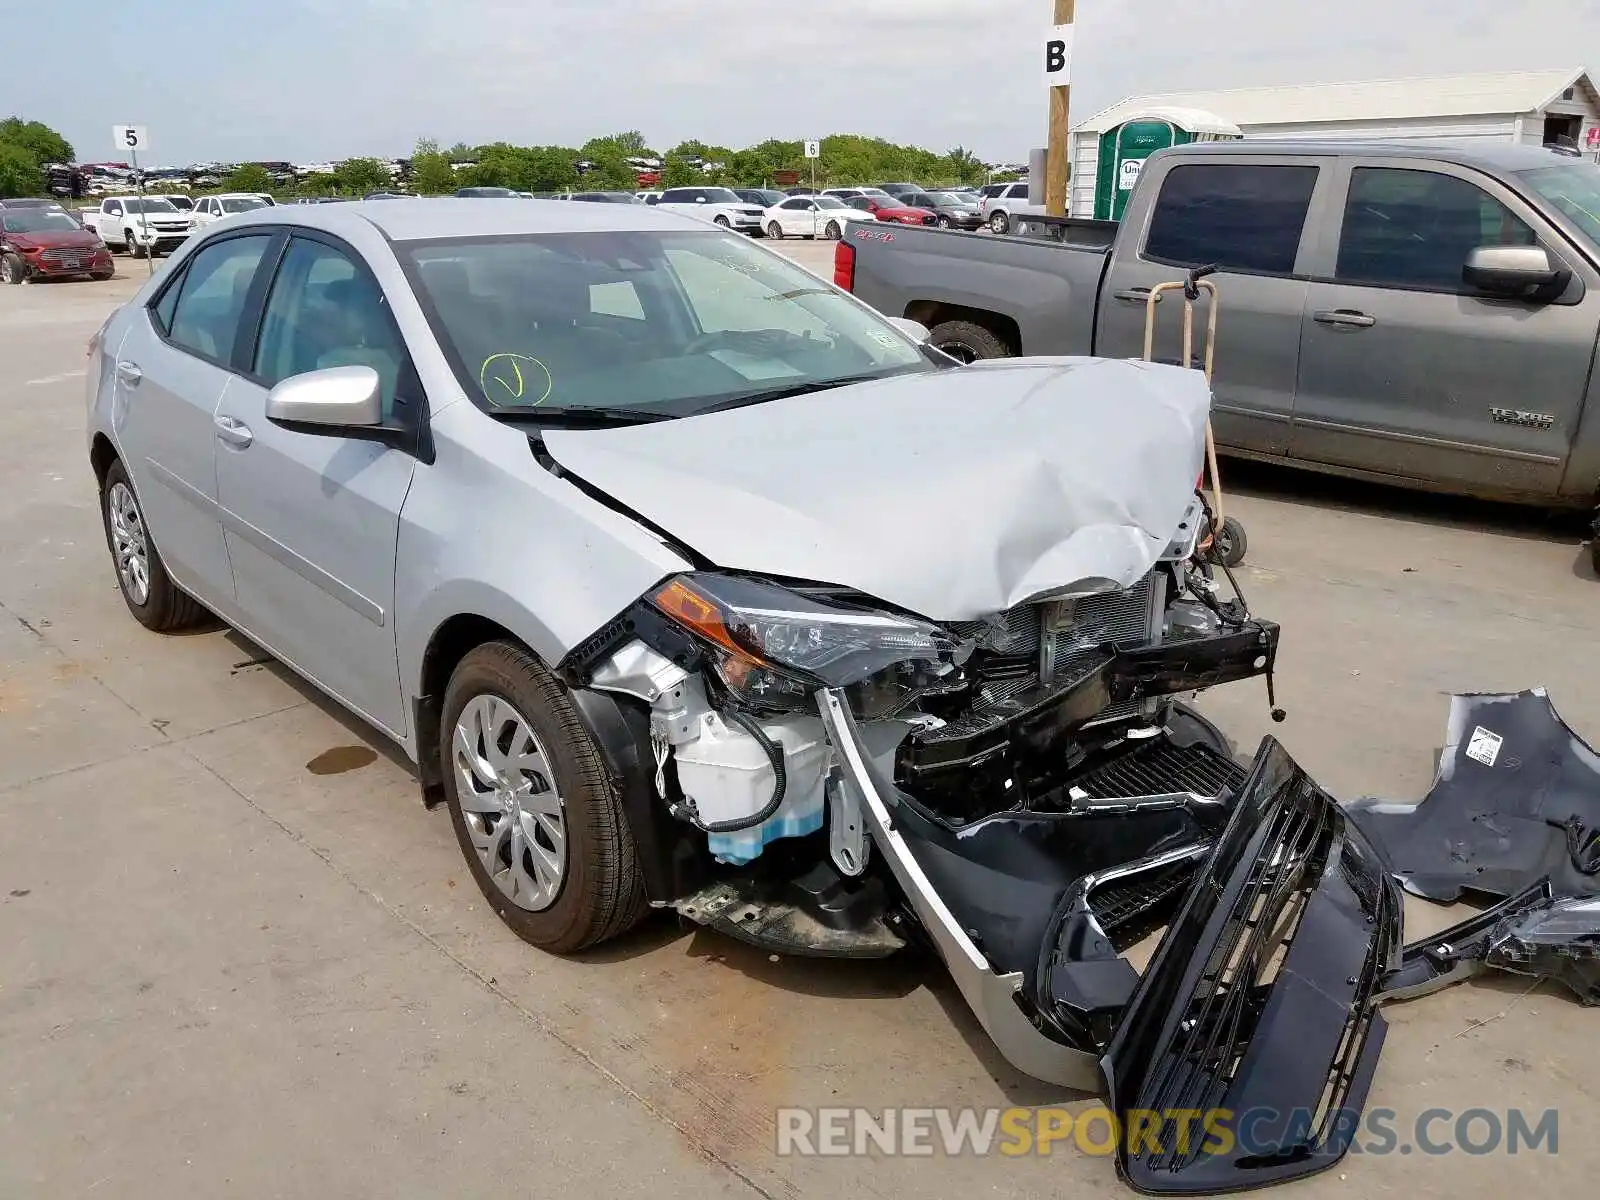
[774, 647]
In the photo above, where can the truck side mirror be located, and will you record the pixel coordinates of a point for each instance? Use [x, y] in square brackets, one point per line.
[1514, 271]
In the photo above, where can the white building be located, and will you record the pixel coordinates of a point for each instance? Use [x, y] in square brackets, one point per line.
[1533, 107]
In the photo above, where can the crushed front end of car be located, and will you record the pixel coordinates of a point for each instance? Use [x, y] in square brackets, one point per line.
[977, 738]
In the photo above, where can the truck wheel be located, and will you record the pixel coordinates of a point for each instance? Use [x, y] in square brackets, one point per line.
[12, 268]
[999, 223]
[967, 342]
[1229, 544]
[535, 812]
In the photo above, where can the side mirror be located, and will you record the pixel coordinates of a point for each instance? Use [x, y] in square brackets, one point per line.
[335, 398]
[699, 199]
[1513, 270]
[915, 330]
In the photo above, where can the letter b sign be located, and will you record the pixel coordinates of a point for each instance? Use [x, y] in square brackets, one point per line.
[1058, 56]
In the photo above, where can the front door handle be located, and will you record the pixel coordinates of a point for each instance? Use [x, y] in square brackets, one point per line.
[129, 373]
[1135, 295]
[234, 431]
[1345, 318]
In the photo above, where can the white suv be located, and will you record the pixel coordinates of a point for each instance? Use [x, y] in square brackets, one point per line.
[719, 205]
[1000, 210]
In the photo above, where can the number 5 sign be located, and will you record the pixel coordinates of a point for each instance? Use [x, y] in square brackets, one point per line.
[133, 138]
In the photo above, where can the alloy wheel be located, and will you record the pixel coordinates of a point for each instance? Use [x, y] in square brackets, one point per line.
[514, 813]
[129, 543]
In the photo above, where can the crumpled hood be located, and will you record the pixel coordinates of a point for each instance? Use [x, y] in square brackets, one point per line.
[953, 494]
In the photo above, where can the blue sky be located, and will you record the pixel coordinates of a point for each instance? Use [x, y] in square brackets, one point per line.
[307, 80]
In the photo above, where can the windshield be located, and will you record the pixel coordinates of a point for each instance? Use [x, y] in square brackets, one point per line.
[830, 202]
[671, 322]
[148, 206]
[235, 204]
[39, 220]
[722, 196]
[1573, 189]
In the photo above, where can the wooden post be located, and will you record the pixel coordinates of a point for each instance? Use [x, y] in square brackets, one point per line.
[1058, 166]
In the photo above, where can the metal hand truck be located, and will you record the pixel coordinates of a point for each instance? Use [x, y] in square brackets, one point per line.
[1224, 540]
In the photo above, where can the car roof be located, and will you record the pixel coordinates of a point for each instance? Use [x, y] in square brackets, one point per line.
[1492, 156]
[452, 217]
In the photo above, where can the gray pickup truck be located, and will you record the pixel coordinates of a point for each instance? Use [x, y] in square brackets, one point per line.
[1403, 313]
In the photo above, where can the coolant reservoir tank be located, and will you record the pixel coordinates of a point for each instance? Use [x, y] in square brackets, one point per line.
[727, 775]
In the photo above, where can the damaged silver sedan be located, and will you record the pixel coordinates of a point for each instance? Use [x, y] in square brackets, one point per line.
[689, 582]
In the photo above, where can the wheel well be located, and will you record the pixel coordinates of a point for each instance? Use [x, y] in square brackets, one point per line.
[101, 455]
[933, 313]
[451, 642]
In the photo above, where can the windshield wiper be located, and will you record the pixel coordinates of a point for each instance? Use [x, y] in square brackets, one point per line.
[784, 393]
[579, 415]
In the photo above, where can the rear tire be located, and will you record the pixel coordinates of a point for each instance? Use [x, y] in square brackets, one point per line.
[1000, 223]
[968, 342]
[944, 222]
[154, 600]
[558, 784]
[832, 232]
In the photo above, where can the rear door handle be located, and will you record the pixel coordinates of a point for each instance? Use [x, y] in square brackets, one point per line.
[129, 373]
[1135, 295]
[233, 431]
[1345, 318]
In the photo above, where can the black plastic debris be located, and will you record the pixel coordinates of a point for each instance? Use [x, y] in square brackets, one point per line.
[1516, 800]
[1559, 941]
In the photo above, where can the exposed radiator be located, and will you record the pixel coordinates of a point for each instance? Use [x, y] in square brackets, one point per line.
[1075, 630]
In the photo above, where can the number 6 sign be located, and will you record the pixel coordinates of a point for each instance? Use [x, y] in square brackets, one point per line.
[133, 138]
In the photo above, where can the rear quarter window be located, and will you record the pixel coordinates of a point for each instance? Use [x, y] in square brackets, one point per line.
[1240, 217]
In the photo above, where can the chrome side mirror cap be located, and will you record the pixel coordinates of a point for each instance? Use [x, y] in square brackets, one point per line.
[336, 397]
[1513, 270]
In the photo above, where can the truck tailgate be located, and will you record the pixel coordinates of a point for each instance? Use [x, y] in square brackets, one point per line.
[1037, 295]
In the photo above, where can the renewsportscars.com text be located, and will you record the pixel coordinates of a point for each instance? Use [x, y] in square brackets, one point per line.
[920, 1132]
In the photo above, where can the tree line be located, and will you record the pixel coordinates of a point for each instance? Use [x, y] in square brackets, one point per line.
[600, 164]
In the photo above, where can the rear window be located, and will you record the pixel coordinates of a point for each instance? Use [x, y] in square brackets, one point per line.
[1238, 217]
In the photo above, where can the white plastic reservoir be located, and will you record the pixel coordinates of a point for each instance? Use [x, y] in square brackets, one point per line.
[727, 774]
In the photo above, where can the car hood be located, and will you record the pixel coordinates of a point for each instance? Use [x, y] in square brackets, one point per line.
[55, 239]
[953, 494]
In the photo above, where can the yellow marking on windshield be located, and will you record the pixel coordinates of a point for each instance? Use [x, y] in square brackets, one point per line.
[505, 371]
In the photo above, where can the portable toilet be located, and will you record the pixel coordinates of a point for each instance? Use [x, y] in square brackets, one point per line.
[1124, 147]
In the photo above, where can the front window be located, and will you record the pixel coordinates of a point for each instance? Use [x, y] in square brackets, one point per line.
[1573, 190]
[670, 323]
[41, 220]
[234, 204]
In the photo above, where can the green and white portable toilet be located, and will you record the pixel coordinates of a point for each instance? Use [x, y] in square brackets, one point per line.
[1123, 149]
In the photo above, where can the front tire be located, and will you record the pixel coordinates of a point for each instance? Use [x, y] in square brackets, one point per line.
[12, 269]
[775, 232]
[535, 812]
[724, 222]
[154, 600]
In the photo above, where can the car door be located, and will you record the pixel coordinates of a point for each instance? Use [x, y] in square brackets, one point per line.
[1253, 219]
[172, 369]
[795, 217]
[110, 222]
[311, 519]
[1407, 370]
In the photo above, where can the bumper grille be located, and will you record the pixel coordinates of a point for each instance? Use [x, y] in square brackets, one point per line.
[1075, 630]
[1162, 769]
